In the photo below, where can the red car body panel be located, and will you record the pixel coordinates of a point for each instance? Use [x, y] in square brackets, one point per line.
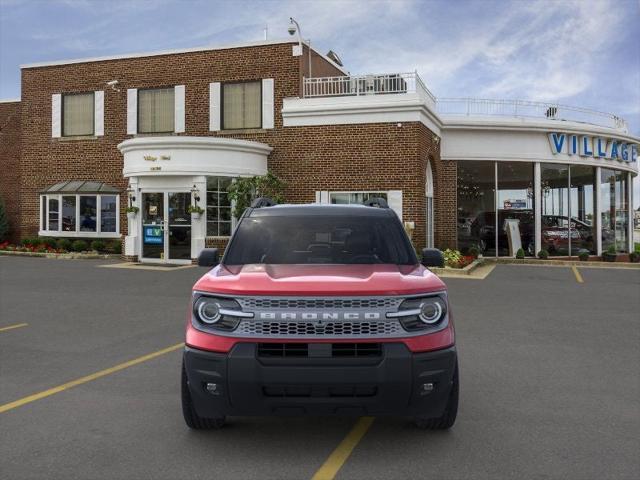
[320, 280]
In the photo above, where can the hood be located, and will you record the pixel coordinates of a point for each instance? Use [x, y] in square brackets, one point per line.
[299, 280]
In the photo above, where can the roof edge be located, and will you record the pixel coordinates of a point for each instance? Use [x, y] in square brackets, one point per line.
[10, 100]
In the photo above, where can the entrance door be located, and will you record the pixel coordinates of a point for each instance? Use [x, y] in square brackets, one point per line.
[166, 227]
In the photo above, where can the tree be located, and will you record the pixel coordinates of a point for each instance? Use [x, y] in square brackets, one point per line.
[4, 222]
[244, 190]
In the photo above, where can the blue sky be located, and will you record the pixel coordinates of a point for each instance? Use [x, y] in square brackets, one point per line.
[579, 52]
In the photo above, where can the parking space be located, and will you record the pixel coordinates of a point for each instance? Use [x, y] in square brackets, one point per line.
[550, 381]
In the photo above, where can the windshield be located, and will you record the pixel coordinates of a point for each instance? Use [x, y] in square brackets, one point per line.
[319, 239]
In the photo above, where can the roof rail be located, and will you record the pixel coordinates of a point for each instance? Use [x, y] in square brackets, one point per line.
[263, 202]
[376, 202]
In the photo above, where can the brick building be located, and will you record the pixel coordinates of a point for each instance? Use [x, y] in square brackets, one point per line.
[165, 130]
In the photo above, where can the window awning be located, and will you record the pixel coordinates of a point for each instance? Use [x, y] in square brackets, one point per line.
[81, 186]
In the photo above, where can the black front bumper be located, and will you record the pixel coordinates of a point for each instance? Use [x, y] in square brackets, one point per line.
[395, 382]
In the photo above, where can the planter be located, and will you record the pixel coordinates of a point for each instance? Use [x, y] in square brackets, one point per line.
[131, 216]
[634, 257]
[609, 257]
[195, 215]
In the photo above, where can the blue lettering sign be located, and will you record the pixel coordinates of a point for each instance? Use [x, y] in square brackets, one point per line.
[557, 142]
[573, 148]
[614, 150]
[586, 147]
[152, 235]
[624, 153]
[601, 150]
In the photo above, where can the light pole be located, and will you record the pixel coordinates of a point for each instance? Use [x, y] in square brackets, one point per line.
[294, 27]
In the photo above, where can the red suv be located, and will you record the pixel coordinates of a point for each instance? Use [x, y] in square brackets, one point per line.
[320, 309]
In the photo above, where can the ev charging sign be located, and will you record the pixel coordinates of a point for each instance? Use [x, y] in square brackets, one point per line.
[596, 147]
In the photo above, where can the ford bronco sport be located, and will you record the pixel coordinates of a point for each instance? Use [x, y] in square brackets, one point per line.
[320, 309]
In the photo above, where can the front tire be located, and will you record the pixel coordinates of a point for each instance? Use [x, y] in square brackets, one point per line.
[448, 418]
[191, 418]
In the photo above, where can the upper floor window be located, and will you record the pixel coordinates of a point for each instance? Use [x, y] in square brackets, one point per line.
[78, 114]
[347, 198]
[241, 105]
[156, 110]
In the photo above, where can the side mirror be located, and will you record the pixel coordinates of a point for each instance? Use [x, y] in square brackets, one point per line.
[432, 257]
[208, 257]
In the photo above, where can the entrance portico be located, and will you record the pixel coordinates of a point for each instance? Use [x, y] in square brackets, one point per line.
[168, 174]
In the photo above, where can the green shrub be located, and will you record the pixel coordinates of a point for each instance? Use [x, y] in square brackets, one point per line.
[474, 251]
[79, 246]
[611, 250]
[114, 247]
[29, 241]
[543, 254]
[452, 257]
[64, 244]
[47, 242]
[583, 255]
[97, 245]
[634, 257]
[520, 253]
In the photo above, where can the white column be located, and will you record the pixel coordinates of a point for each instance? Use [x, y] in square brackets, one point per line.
[132, 242]
[199, 226]
[537, 207]
[598, 213]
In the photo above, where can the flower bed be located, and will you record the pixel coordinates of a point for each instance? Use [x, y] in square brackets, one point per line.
[51, 246]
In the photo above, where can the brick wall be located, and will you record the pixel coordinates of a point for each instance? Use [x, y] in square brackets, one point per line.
[10, 164]
[340, 157]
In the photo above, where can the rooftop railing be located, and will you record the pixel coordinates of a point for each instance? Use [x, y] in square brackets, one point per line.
[357, 85]
[528, 109]
[402, 83]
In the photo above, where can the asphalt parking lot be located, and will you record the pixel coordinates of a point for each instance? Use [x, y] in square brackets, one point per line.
[550, 384]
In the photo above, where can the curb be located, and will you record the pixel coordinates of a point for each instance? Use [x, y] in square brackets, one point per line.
[468, 270]
[564, 263]
[63, 256]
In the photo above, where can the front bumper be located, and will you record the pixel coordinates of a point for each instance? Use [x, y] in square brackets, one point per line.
[391, 383]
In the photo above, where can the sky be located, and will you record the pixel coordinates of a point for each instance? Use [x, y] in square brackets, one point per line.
[584, 53]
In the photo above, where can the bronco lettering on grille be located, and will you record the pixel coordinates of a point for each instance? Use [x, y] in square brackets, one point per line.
[319, 316]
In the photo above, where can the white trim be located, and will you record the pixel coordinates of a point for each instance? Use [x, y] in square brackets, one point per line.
[537, 207]
[598, 210]
[214, 107]
[179, 100]
[268, 114]
[98, 113]
[132, 111]
[630, 219]
[172, 52]
[78, 233]
[394, 200]
[9, 100]
[56, 115]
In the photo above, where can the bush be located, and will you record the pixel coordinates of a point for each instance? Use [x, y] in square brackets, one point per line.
[26, 242]
[114, 247]
[634, 257]
[583, 255]
[543, 254]
[520, 253]
[452, 257]
[474, 251]
[79, 246]
[64, 244]
[47, 242]
[611, 250]
[97, 245]
[4, 222]
[245, 189]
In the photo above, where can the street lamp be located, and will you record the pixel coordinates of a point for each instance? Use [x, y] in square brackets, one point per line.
[294, 27]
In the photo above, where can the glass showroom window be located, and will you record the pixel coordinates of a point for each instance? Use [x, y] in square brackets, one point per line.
[515, 207]
[555, 208]
[80, 215]
[218, 207]
[581, 204]
[156, 110]
[346, 198]
[241, 105]
[77, 114]
[477, 206]
[614, 209]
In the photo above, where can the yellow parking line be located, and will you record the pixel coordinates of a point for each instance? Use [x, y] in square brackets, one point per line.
[88, 378]
[11, 327]
[577, 274]
[330, 468]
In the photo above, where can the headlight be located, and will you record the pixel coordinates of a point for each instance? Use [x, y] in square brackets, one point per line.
[208, 310]
[218, 312]
[422, 312]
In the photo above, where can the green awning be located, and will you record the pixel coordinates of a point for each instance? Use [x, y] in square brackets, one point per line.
[81, 186]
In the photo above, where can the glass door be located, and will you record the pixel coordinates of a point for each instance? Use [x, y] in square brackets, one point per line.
[153, 215]
[179, 243]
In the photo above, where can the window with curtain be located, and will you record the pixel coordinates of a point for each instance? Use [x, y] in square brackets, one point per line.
[241, 105]
[77, 114]
[156, 110]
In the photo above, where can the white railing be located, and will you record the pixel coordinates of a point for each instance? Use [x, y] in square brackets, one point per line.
[524, 108]
[357, 85]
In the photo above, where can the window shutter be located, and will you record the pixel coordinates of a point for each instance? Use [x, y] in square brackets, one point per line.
[267, 103]
[394, 199]
[132, 111]
[214, 106]
[56, 115]
[98, 111]
[322, 197]
[179, 111]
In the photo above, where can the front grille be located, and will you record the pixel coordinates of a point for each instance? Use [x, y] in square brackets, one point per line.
[257, 303]
[319, 391]
[315, 329]
[342, 350]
